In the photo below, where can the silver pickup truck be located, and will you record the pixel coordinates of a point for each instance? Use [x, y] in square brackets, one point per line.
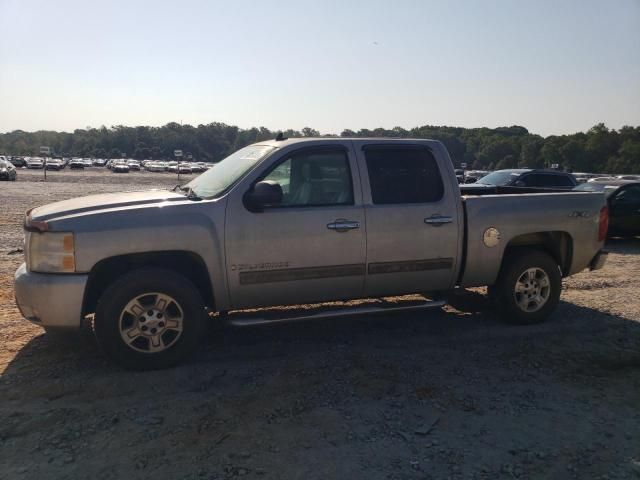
[296, 221]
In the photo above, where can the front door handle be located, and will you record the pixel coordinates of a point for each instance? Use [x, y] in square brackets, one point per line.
[342, 225]
[437, 220]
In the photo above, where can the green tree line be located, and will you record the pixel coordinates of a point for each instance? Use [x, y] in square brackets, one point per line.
[600, 149]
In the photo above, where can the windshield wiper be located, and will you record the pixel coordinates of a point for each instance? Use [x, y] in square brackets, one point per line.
[188, 191]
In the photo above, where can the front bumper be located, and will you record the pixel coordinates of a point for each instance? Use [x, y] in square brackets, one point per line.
[599, 260]
[50, 300]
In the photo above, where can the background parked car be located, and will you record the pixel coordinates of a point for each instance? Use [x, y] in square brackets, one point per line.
[472, 176]
[54, 164]
[76, 163]
[155, 166]
[120, 166]
[582, 177]
[603, 178]
[18, 161]
[196, 167]
[526, 177]
[623, 198]
[7, 170]
[134, 165]
[35, 162]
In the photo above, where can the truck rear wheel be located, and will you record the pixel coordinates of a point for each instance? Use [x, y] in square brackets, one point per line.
[150, 318]
[528, 287]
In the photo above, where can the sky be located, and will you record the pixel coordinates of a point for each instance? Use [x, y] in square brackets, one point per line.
[553, 66]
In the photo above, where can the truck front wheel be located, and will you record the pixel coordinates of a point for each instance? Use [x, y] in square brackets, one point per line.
[150, 318]
[528, 287]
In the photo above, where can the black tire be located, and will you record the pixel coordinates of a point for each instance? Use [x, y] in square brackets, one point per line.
[503, 294]
[110, 316]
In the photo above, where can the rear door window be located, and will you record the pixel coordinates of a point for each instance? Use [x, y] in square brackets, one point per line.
[403, 175]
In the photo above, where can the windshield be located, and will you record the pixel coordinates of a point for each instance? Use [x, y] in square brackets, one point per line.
[226, 172]
[501, 177]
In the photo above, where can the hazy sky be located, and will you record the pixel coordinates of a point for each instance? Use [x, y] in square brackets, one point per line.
[553, 66]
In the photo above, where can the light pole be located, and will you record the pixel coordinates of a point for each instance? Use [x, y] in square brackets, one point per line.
[178, 154]
[45, 151]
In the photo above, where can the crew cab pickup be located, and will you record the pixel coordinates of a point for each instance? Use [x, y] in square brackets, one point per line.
[296, 221]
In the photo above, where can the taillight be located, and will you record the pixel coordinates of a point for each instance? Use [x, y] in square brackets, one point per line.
[604, 224]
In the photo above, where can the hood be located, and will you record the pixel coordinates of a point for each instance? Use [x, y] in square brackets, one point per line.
[475, 186]
[105, 201]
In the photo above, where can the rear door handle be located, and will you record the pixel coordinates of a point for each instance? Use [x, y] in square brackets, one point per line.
[342, 225]
[437, 220]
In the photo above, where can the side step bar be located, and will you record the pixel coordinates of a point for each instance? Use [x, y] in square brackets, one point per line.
[245, 321]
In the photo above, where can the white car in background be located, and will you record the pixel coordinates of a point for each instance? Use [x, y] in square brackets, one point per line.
[155, 167]
[35, 162]
[583, 177]
[76, 163]
[184, 168]
[120, 166]
[134, 165]
[602, 179]
[54, 164]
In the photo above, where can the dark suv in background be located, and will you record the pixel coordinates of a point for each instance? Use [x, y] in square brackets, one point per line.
[525, 177]
[18, 161]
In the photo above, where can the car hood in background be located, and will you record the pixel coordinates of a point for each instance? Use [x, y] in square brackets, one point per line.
[476, 186]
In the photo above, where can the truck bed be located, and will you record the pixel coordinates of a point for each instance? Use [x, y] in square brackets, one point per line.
[522, 217]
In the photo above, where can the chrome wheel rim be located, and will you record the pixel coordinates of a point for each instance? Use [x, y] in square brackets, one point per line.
[532, 290]
[151, 322]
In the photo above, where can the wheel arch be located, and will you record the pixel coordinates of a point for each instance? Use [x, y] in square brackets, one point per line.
[186, 263]
[558, 244]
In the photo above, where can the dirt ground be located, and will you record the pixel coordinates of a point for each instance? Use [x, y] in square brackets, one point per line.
[445, 394]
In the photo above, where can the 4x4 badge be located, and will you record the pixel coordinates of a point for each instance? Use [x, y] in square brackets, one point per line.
[580, 214]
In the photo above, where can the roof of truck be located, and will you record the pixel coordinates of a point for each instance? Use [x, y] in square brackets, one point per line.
[287, 141]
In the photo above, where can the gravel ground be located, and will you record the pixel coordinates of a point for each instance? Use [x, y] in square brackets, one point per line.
[446, 394]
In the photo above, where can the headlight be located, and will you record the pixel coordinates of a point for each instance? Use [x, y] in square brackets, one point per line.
[52, 252]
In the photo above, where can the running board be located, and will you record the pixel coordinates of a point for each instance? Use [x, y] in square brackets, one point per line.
[245, 321]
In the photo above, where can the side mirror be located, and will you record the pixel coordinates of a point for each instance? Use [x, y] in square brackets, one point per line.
[520, 183]
[264, 194]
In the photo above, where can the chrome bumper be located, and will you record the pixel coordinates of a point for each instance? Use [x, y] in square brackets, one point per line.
[599, 260]
[50, 300]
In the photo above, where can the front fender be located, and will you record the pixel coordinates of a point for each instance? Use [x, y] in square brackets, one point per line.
[196, 227]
